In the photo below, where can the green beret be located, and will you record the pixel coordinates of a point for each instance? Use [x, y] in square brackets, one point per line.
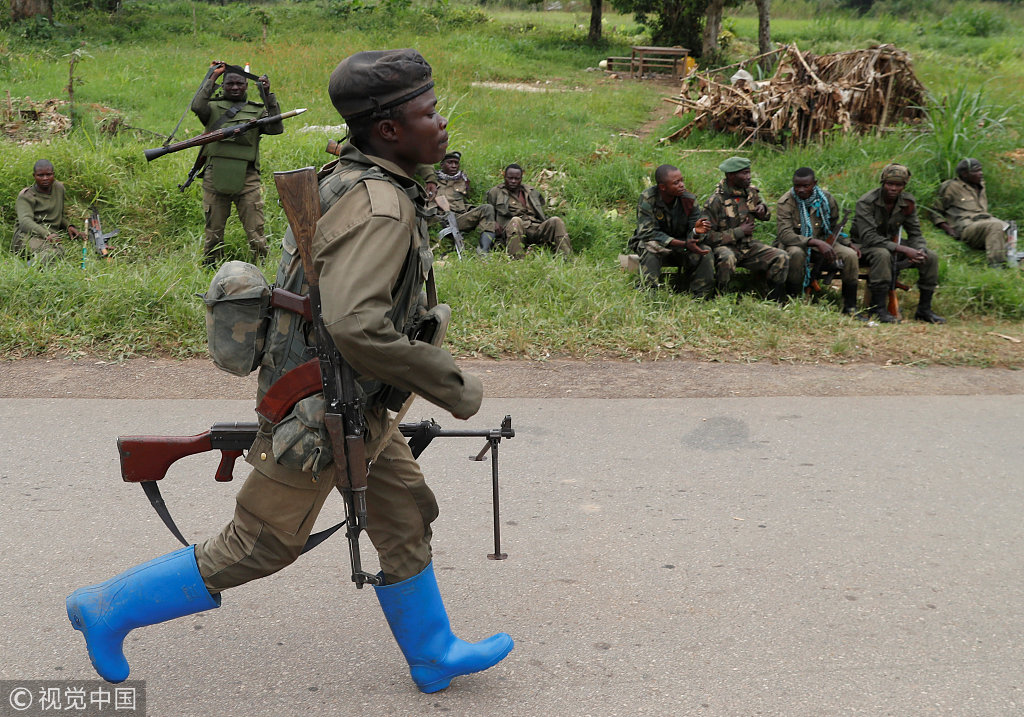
[370, 83]
[894, 173]
[734, 164]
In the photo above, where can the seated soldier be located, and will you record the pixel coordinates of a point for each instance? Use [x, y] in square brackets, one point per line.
[520, 217]
[451, 183]
[886, 227]
[42, 220]
[732, 209]
[806, 218]
[668, 233]
[961, 210]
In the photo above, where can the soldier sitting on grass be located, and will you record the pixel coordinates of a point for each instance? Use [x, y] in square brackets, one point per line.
[42, 221]
[451, 183]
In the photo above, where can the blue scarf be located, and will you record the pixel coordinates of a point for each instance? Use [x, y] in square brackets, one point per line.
[818, 202]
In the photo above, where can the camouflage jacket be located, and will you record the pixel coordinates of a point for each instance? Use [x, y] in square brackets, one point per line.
[662, 222]
[506, 206]
[456, 191]
[874, 225]
[727, 208]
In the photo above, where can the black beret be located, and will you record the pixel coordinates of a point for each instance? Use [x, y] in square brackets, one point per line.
[452, 155]
[377, 80]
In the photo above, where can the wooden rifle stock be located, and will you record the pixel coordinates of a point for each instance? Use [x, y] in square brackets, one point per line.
[147, 458]
[334, 147]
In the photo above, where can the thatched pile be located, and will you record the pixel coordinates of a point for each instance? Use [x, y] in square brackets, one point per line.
[807, 97]
[26, 121]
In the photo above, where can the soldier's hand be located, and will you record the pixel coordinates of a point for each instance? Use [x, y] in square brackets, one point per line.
[761, 212]
[856, 249]
[825, 249]
[218, 68]
[264, 82]
[703, 226]
[747, 227]
[52, 237]
[74, 233]
[693, 246]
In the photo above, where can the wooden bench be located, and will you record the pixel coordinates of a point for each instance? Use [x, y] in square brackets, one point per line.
[646, 60]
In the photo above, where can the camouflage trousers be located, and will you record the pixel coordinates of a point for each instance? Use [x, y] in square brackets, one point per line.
[987, 234]
[879, 261]
[698, 269]
[798, 265]
[273, 518]
[751, 255]
[217, 209]
[520, 232]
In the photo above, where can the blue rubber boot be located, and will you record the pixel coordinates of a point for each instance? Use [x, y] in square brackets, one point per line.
[418, 620]
[162, 589]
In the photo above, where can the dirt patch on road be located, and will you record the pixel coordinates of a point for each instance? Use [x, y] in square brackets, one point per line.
[198, 378]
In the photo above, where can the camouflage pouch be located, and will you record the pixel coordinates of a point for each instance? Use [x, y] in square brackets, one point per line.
[237, 314]
[300, 440]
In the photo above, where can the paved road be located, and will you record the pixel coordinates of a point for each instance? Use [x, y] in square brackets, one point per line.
[696, 556]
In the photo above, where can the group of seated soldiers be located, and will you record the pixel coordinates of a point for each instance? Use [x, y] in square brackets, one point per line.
[708, 243]
[514, 214]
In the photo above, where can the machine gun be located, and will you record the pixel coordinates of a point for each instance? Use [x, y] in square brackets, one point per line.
[146, 460]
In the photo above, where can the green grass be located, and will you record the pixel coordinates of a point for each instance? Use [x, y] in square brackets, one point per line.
[583, 129]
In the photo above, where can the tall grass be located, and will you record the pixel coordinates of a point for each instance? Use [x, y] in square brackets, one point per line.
[579, 138]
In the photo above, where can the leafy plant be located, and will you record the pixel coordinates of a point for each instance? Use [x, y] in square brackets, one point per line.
[955, 126]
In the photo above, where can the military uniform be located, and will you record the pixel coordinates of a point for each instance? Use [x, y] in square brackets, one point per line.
[790, 239]
[373, 226]
[727, 208]
[467, 216]
[523, 219]
[965, 208]
[658, 223]
[39, 215]
[875, 228]
[232, 171]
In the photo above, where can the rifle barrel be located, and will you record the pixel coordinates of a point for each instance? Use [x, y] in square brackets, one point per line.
[218, 134]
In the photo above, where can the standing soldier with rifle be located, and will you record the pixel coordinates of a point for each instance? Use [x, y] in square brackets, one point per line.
[231, 168]
[369, 252]
[809, 229]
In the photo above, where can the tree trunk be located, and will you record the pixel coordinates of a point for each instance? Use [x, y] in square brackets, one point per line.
[595, 20]
[764, 32]
[712, 26]
[24, 9]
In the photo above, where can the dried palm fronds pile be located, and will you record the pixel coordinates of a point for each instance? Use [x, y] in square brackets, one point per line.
[24, 120]
[807, 97]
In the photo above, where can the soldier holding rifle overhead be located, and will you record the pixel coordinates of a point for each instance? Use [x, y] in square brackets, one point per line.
[231, 168]
[369, 255]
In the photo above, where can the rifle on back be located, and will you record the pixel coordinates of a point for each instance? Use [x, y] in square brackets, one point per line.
[343, 411]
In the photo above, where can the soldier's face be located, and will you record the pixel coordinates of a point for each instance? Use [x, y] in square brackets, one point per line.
[740, 179]
[673, 186]
[513, 178]
[974, 177]
[450, 165]
[422, 134]
[44, 178]
[234, 86]
[803, 187]
[892, 189]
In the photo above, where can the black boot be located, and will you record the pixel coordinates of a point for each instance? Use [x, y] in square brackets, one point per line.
[486, 240]
[924, 308]
[850, 298]
[879, 308]
[777, 292]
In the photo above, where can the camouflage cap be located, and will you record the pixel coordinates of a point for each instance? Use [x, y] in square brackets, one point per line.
[375, 81]
[734, 164]
[894, 173]
[452, 155]
[968, 165]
